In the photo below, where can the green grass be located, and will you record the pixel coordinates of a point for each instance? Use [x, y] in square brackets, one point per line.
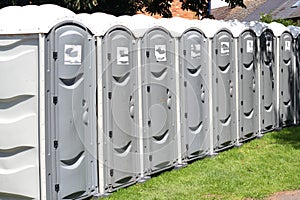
[255, 170]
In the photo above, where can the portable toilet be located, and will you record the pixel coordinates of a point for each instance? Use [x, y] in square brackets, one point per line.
[48, 94]
[285, 73]
[118, 141]
[158, 107]
[296, 67]
[267, 76]
[247, 81]
[222, 83]
[193, 88]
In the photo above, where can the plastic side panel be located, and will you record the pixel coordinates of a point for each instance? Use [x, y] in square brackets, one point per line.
[267, 46]
[72, 103]
[286, 80]
[119, 77]
[159, 100]
[224, 91]
[194, 94]
[248, 86]
[19, 117]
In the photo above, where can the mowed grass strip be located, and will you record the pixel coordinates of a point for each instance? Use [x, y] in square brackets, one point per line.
[256, 170]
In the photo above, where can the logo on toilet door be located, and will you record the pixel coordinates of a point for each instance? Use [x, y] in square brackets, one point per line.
[160, 53]
[122, 56]
[72, 54]
[225, 48]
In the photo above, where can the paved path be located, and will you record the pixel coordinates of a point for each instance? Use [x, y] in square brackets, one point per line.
[287, 195]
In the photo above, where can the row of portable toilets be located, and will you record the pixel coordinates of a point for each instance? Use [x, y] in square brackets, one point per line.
[91, 103]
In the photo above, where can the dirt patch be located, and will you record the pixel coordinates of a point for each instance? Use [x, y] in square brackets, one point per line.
[285, 195]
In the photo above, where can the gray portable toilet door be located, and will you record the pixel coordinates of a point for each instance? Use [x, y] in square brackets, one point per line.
[72, 85]
[121, 107]
[195, 94]
[159, 99]
[286, 80]
[268, 95]
[297, 77]
[224, 91]
[248, 87]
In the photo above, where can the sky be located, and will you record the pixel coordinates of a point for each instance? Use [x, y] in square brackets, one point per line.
[217, 3]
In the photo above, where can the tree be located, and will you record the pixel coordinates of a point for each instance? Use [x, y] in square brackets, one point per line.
[200, 7]
[126, 7]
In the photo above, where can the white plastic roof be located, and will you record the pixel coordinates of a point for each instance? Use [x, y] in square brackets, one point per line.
[32, 18]
[97, 23]
[138, 24]
[295, 30]
[257, 27]
[277, 28]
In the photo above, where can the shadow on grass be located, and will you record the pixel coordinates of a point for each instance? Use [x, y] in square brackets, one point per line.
[289, 136]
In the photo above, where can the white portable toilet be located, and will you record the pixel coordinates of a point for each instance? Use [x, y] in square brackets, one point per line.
[296, 67]
[247, 81]
[222, 83]
[47, 106]
[285, 74]
[118, 101]
[267, 78]
[157, 88]
[193, 104]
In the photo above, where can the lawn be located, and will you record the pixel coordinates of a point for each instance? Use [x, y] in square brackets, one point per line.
[255, 170]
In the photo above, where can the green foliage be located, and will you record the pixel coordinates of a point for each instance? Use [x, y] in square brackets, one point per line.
[267, 18]
[254, 171]
[125, 7]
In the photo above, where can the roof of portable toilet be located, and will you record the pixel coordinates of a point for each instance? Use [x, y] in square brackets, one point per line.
[211, 27]
[138, 24]
[295, 30]
[257, 27]
[98, 23]
[237, 28]
[277, 28]
[34, 19]
[176, 25]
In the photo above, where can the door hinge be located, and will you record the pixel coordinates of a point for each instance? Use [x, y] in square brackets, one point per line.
[185, 115]
[56, 187]
[55, 144]
[109, 95]
[111, 172]
[109, 56]
[110, 134]
[184, 52]
[217, 51]
[54, 55]
[147, 54]
[55, 100]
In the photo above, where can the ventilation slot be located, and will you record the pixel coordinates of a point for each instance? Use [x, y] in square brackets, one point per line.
[194, 70]
[9, 196]
[225, 122]
[124, 180]
[75, 195]
[249, 115]
[73, 160]
[196, 129]
[225, 68]
[160, 73]
[4, 153]
[126, 148]
[248, 66]
[162, 138]
[71, 81]
[10, 102]
[121, 79]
